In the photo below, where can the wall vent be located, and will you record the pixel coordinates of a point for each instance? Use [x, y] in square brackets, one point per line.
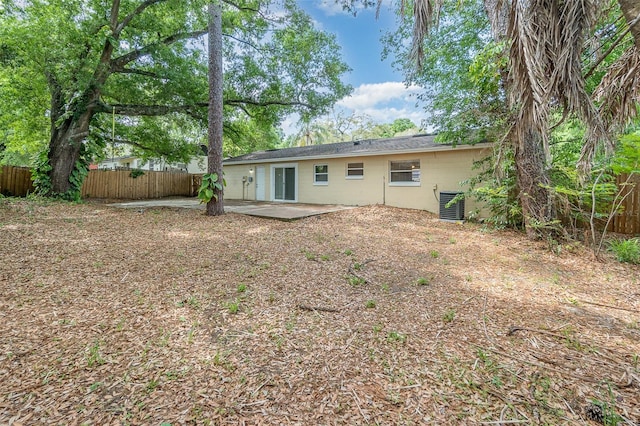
[456, 211]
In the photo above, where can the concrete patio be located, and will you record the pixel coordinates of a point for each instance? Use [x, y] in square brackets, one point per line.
[281, 211]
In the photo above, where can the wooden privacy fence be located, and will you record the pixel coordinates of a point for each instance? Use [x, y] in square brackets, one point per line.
[122, 184]
[16, 181]
[628, 220]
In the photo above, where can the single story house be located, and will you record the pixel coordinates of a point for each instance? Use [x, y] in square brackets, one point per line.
[410, 171]
[197, 164]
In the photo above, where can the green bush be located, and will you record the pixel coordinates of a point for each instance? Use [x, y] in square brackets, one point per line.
[626, 250]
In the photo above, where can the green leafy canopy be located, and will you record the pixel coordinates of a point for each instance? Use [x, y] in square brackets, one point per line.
[52, 53]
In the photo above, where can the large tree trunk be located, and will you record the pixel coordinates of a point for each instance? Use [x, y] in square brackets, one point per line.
[538, 207]
[64, 152]
[631, 11]
[216, 205]
[65, 144]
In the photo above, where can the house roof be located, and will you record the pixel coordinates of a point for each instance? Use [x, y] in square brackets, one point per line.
[369, 147]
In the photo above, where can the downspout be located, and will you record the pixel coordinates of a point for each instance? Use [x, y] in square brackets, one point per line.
[384, 188]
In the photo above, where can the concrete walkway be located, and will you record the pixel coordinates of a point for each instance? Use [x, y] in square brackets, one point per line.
[281, 211]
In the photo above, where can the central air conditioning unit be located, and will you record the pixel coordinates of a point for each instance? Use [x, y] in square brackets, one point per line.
[455, 212]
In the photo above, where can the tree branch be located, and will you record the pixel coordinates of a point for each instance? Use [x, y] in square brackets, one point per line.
[238, 102]
[138, 72]
[250, 9]
[255, 47]
[237, 6]
[610, 49]
[145, 110]
[117, 64]
[115, 10]
[191, 109]
[138, 10]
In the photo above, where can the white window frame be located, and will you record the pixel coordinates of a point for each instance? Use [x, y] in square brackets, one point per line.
[348, 176]
[272, 187]
[316, 174]
[412, 170]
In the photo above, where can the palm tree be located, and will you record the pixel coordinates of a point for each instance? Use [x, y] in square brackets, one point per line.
[546, 39]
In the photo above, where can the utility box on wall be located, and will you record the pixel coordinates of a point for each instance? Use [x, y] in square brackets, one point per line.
[456, 211]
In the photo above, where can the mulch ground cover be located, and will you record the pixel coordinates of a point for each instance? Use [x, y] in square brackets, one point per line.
[374, 315]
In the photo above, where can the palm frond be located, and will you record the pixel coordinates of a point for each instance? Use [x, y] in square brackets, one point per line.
[546, 67]
[426, 14]
[619, 90]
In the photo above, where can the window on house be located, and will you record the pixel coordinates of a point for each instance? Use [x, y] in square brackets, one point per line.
[355, 170]
[406, 172]
[321, 174]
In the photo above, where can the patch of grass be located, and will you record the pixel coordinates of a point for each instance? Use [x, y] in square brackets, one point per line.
[570, 341]
[452, 240]
[604, 413]
[348, 252]
[356, 281]
[164, 338]
[627, 251]
[120, 325]
[370, 304]
[309, 255]
[385, 287]
[220, 359]
[434, 254]
[191, 301]
[95, 386]
[151, 386]
[94, 357]
[233, 306]
[325, 257]
[394, 336]
[423, 281]
[264, 265]
[377, 328]
[449, 315]
[357, 266]
[192, 332]
[171, 375]
[277, 339]
[242, 287]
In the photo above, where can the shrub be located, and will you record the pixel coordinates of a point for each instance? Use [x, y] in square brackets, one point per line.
[626, 250]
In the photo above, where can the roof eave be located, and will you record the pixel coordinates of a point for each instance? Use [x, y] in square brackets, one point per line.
[441, 148]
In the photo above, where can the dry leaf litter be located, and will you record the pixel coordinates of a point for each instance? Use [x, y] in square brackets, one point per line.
[374, 315]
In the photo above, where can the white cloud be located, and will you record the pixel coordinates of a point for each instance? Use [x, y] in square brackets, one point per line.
[389, 114]
[330, 7]
[370, 95]
[381, 102]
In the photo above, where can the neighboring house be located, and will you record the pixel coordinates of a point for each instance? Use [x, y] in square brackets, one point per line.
[410, 171]
[196, 165]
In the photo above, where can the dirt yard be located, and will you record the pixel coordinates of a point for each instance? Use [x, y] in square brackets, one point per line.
[374, 315]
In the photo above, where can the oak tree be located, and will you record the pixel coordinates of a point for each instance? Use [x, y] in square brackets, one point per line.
[87, 67]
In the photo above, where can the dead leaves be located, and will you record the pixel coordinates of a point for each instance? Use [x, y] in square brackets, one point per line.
[116, 317]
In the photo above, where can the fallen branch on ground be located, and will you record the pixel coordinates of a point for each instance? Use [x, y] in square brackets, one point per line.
[317, 308]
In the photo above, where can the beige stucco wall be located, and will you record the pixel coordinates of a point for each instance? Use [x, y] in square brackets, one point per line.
[439, 171]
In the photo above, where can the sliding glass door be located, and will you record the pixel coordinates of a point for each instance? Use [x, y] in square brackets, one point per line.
[284, 182]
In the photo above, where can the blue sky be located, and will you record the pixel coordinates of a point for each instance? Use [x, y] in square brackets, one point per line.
[379, 91]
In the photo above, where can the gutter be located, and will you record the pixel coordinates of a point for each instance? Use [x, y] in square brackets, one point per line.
[447, 148]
